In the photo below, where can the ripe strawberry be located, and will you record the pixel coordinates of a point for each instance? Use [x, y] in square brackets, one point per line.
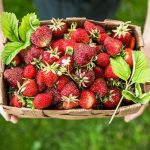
[83, 53]
[131, 43]
[63, 45]
[50, 74]
[16, 61]
[16, 101]
[50, 56]
[87, 100]
[99, 87]
[122, 32]
[100, 29]
[62, 81]
[113, 99]
[69, 95]
[29, 71]
[112, 46]
[31, 53]
[42, 100]
[102, 60]
[29, 88]
[40, 81]
[84, 78]
[102, 38]
[99, 72]
[58, 27]
[79, 35]
[109, 73]
[128, 56]
[13, 75]
[98, 48]
[42, 36]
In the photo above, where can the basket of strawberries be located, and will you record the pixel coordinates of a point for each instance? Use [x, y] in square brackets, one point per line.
[72, 68]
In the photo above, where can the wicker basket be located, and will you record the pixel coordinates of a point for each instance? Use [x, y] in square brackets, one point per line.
[73, 113]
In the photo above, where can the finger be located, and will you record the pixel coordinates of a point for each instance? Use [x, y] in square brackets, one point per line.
[4, 114]
[14, 119]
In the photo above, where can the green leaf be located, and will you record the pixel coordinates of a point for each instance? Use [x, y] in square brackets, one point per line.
[128, 95]
[138, 90]
[140, 72]
[145, 98]
[120, 68]
[29, 22]
[11, 49]
[9, 25]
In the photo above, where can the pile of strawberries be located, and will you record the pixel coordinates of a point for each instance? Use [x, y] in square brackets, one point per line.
[69, 67]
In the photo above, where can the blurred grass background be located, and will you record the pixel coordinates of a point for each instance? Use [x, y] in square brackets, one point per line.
[93, 134]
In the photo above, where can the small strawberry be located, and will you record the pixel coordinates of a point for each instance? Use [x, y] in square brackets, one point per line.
[42, 100]
[62, 81]
[13, 75]
[32, 53]
[17, 101]
[50, 56]
[79, 35]
[98, 48]
[58, 27]
[87, 100]
[42, 36]
[83, 53]
[29, 71]
[70, 95]
[128, 56]
[113, 98]
[99, 87]
[40, 81]
[102, 38]
[50, 74]
[112, 46]
[102, 60]
[99, 72]
[122, 32]
[29, 88]
[131, 43]
[109, 73]
[16, 61]
[84, 78]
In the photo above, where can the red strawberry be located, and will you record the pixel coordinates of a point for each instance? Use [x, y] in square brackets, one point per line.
[99, 72]
[42, 36]
[84, 78]
[113, 99]
[50, 74]
[109, 73]
[16, 101]
[122, 32]
[83, 53]
[40, 81]
[69, 95]
[29, 88]
[102, 38]
[87, 100]
[99, 87]
[58, 27]
[128, 56]
[16, 61]
[102, 60]
[50, 56]
[100, 29]
[131, 43]
[31, 53]
[29, 71]
[63, 45]
[98, 48]
[62, 81]
[42, 100]
[112, 46]
[13, 76]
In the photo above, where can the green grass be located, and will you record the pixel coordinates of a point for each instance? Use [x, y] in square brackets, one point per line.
[92, 134]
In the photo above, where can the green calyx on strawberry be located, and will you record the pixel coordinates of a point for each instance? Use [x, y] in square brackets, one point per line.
[58, 27]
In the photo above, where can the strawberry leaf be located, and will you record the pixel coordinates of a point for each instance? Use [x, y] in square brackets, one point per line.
[145, 98]
[29, 22]
[128, 95]
[138, 90]
[120, 68]
[9, 25]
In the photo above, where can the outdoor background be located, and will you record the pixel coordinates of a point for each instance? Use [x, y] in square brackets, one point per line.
[92, 134]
